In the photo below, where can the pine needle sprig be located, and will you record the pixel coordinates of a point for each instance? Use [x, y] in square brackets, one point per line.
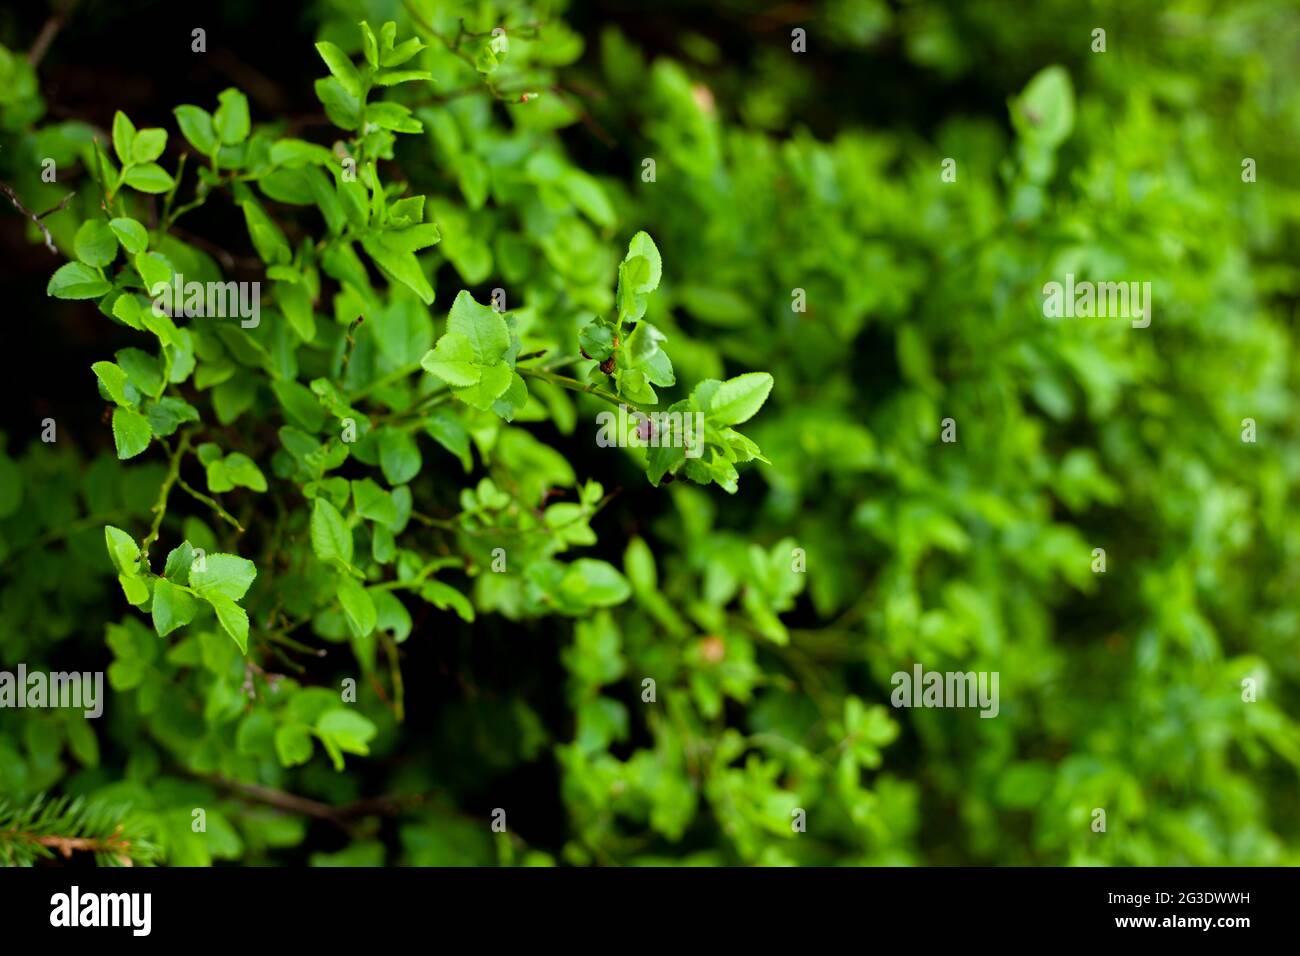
[46, 829]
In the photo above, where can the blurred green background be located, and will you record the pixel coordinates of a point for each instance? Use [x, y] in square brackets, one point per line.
[776, 170]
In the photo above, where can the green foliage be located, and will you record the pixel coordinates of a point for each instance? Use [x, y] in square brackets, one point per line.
[397, 563]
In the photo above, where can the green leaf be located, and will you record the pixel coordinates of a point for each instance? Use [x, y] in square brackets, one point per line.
[394, 77]
[115, 382]
[196, 126]
[342, 108]
[268, 239]
[739, 399]
[492, 384]
[485, 328]
[373, 502]
[399, 456]
[95, 243]
[123, 137]
[231, 120]
[597, 339]
[396, 55]
[154, 269]
[340, 65]
[444, 597]
[233, 618]
[595, 583]
[141, 370]
[299, 152]
[131, 234]
[76, 280]
[300, 405]
[1045, 110]
[172, 607]
[393, 116]
[123, 550]
[180, 560]
[369, 45]
[331, 538]
[148, 145]
[228, 575]
[399, 263]
[453, 360]
[643, 246]
[293, 744]
[167, 414]
[449, 431]
[131, 432]
[135, 589]
[357, 604]
[345, 730]
[149, 178]
[639, 563]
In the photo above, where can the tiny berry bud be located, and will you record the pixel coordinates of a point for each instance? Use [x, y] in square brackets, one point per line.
[712, 649]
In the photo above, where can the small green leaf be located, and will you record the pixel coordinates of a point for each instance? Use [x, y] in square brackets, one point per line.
[293, 744]
[131, 234]
[494, 382]
[399, 263]
[231, 119]
[115, 382]
[482, 325]
[739, 399]
[197, 127]
[168, 414]
[331, 538]
[357, 604]
[76, 280]
[399, 456]
[172, 607]
[453, 360]
[142, 370]
[149, 178]
[340, 64]
[95, 243]
[642, 245]
[123, 550]
[1045, 110]
[179, 562]
[135, 589]
[597, 339]
[228, 575]
[123, 137]
[233, 618]
[369, 45]
[397, 54]
[148, 145]
[131, 432]
[154, 269]
[346, 730]
[342, 108]
[373, 502]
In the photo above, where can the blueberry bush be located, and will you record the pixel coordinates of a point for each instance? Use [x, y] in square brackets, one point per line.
[396, 538]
